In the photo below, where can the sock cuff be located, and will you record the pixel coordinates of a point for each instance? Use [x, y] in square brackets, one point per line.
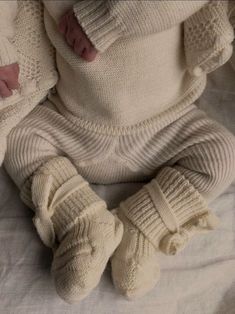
[60, 169]
[141, 211]
[183, 199]
[79, 204]
[167, 208]
[57, 169]
[60, 196]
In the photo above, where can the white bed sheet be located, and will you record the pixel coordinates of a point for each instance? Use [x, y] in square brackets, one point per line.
[200, 280]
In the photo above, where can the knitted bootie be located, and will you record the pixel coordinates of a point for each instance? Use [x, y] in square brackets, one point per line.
[68, 211]
[162, 216]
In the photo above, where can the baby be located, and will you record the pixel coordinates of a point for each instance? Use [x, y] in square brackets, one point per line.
[122, 111]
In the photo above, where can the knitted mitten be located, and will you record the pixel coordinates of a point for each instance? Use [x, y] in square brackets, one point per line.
[69, 211]
[163, 216]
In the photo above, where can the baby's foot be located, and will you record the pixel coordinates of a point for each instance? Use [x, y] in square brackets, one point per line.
[86, 232]
[135, 269]
[76, 37]
[155, 220]
[83, 254]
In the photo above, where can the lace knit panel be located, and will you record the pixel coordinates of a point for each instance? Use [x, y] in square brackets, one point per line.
[208, 36]
[36, 55]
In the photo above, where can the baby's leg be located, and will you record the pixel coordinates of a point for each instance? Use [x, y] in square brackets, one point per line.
[199, 163]
[69, 216]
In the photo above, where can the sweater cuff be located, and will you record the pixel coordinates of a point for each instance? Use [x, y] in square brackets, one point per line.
[8, 54]
[100, 27]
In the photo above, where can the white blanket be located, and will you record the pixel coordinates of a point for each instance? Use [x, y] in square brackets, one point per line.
[200, 280]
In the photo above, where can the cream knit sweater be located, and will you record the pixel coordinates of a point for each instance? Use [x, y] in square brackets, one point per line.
[146, 71]
[146, 67]
[141, 72]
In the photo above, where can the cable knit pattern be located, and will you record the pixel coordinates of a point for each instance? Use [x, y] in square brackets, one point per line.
[75, 222]
[164, 215]
[192, 160]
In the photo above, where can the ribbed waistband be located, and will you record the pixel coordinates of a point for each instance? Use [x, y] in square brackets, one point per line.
[156, 123]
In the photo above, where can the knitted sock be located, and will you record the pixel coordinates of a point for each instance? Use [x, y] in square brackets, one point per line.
[69, 211]
[134, 266]
[163, 215]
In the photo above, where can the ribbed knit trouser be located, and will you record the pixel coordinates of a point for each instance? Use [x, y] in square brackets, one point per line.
[188, 163]
[195, 146]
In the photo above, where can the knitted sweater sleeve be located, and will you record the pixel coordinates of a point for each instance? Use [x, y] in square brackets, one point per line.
[8, 12]
[104, 21]
[208, 37]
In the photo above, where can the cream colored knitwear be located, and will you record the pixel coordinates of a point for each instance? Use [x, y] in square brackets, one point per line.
[75, 222]
[8, 13]
[144, 65]
[138, 78]
[163, 215]
[207, 32]
[88, 106]
[31, 48]
[192, 160]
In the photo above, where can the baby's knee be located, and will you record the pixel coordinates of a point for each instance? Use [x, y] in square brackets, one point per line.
[14, 158]
[225, 156]
[221, 163]
[26, 151]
